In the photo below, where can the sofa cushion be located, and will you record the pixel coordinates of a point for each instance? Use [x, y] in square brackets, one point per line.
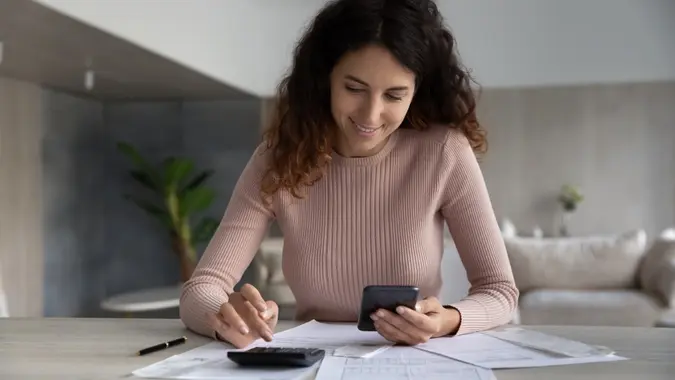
[598, 262]
[657, 272]
[667, 319]
[592, 308]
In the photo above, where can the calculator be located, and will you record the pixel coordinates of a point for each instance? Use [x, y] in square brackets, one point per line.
[277, 357]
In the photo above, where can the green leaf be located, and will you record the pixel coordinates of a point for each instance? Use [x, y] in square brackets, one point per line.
[151, 209]
[197, 180]
[144, 179]
[139, 162]
[175, 170]
[204, 231]
[196, 200]
[131, 152]
[144, 204]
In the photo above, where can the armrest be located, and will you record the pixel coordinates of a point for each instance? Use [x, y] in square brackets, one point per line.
[657, 274]
[665, 281]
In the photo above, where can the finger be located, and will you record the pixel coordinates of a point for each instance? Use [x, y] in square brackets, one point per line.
[396, 320]
[225, 332]
[427, 305]
[252, 295]
[232, 318]
[272, 312]
[388, 332]
[256, 322]
[217, 325]
[419, 320]
[403, 325]
[392, 333]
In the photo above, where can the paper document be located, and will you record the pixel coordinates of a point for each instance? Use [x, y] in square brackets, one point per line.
[489, 352]
[328, 336]
[210, 362]
[359, 351]
[549, 343]
[400, 363]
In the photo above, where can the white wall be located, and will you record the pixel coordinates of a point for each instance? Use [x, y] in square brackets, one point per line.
[617, 143]
[553, 42]
[507, 43]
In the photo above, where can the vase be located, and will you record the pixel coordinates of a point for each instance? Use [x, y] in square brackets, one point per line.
[563, 229]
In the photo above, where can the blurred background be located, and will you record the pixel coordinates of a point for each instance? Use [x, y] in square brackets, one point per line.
[98, 97]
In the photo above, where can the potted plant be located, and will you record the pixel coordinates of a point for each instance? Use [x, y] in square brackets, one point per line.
[569, 198]
[174, 198]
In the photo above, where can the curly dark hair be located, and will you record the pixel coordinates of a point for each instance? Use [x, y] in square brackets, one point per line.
[301, 134]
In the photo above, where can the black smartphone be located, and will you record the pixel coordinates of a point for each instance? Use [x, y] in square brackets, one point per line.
[387, 297]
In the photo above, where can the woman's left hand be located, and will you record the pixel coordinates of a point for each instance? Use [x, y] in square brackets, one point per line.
[407, 326]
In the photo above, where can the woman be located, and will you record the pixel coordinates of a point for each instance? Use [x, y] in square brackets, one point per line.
[373, 149]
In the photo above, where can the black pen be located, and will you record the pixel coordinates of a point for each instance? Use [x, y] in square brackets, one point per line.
[162, 346]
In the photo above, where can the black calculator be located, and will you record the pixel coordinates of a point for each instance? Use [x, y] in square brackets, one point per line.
[277, 357]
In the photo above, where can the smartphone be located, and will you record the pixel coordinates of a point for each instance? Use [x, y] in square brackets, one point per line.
[384, 297]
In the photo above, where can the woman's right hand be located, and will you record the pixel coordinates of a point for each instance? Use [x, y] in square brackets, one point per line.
[245, 318]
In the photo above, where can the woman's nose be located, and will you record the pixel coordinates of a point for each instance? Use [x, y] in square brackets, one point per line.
[370, 113]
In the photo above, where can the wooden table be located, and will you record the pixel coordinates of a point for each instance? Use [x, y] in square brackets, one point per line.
[46, 349]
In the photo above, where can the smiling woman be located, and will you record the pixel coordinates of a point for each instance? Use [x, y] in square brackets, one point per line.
[370, 155]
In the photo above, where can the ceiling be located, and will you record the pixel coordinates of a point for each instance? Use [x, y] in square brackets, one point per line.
[505, 44]
[46, 47]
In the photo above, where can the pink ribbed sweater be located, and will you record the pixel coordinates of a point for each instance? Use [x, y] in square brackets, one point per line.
[370, 220]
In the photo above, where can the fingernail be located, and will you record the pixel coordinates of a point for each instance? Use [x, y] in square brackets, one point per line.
[380, 314]
[374, 317]
[243, 329]
[266, 314]
[400, 310]
[262, 306]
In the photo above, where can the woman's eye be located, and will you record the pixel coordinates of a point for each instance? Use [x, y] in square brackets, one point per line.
[390, 97]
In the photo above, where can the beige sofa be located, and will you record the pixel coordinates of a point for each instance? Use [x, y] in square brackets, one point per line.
[621, 280]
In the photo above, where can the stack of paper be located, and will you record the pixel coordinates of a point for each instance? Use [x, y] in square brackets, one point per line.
[494, 350]
[356, 355]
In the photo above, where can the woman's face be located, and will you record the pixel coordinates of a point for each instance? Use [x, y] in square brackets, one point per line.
[370, 96]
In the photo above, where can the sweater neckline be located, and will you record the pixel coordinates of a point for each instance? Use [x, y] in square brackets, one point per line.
[338, 159]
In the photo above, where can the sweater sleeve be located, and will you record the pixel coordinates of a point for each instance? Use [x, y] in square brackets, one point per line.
[230, 251]
[467, 209]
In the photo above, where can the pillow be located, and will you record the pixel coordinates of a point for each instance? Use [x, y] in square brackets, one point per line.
[599, 262]
[508, 228]
[657, 273]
